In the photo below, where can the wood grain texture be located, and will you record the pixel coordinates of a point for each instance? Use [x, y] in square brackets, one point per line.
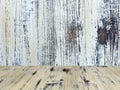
[60, 32]
[59, 78]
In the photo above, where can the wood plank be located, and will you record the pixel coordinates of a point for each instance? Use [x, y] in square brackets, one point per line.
[60, 78]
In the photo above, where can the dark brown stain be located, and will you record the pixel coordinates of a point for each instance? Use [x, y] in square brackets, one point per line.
[108, 34]
[84, 69]
[52, 69]
[71, 35]
[109, 31]
[66, 70]
[112, 82]
[34, 73]
[1, 80]
[38, 82]
[73, 32]
[86, 81]
[51, 84]
[102, 36]
[61, 79]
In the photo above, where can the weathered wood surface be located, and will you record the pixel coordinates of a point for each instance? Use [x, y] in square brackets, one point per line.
[59, 78]
[60, 32]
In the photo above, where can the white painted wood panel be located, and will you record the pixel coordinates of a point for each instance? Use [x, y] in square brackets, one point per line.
[59, 32]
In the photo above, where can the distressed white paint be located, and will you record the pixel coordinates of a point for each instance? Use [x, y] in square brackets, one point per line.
[0, 34]
[34, 32]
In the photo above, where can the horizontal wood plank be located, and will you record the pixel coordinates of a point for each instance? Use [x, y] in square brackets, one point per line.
[59, 78]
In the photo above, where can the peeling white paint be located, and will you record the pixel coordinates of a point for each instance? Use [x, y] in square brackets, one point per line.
[0, 34]
[56, 32]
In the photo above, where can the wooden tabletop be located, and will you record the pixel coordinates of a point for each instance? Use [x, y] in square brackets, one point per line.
[59, 78]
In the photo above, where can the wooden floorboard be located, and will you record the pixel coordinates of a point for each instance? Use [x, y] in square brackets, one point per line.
[59, 78]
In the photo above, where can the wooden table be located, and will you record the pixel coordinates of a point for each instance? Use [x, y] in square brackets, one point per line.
[59, 78]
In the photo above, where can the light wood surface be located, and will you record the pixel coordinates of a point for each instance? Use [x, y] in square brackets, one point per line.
[59, 78]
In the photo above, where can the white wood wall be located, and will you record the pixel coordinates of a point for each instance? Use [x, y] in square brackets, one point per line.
[59, 32]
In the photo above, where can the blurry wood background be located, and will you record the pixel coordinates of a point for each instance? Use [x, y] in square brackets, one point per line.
[60, 32]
